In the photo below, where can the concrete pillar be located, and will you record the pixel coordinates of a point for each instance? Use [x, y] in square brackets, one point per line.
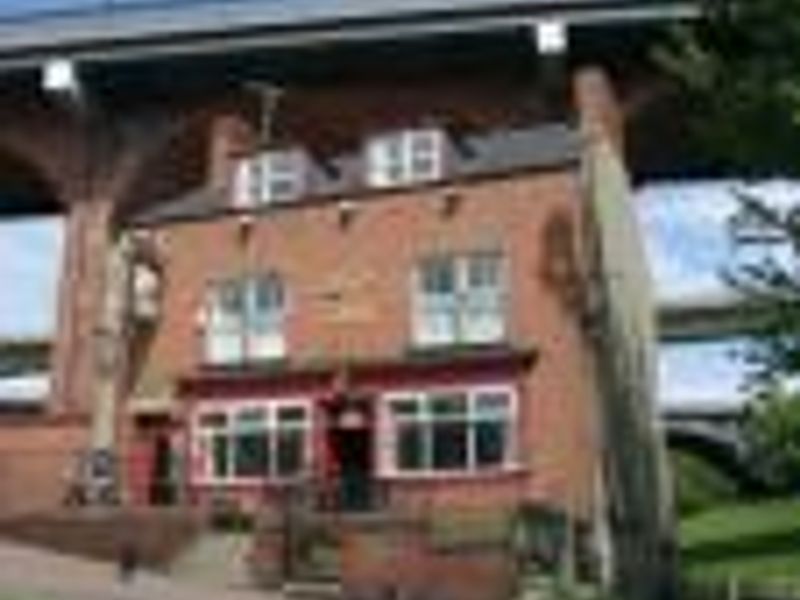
[635, 485]
[598, 108]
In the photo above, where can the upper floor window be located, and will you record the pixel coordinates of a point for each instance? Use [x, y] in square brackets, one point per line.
[271, 176]
[245, 320]
[406, 157]
[460, 299]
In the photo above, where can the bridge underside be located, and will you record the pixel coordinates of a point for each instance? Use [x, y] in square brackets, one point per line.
[724, 449]
[24, 191]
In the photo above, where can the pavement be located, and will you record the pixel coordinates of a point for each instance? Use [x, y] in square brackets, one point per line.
[28, 573]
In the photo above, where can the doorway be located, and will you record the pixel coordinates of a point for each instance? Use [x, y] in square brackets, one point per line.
[351, 442]
[162, 486]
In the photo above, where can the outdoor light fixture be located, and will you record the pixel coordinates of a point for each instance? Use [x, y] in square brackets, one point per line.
[60, 76]
[449, 203]
[551, 37]
[347, 211]
[245, 221]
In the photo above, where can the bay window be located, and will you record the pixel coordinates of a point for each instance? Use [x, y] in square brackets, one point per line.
[254, 442]
[459, 299]
[245, 320]
[450, 431]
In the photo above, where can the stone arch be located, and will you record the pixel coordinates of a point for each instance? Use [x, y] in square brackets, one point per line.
[719, 450]
[170, 163]
[46, 147]
[25, 188]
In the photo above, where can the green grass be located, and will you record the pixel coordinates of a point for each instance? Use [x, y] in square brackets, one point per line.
[756, 543]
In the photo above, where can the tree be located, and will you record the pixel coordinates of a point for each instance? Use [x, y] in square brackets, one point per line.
[739, 74]
[773, 430]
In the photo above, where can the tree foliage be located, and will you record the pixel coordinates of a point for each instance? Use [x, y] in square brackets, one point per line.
[773, 431]
[769, 285]
[739, 70]
[739, 73]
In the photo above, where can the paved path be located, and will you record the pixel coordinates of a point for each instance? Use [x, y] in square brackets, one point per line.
[215, 560]
[32, 574]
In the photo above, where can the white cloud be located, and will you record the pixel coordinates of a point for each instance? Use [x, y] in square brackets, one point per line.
[687, 233]
[702, 373]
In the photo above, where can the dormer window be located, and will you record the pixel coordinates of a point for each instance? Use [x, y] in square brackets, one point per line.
[406, 157]
[272, 176]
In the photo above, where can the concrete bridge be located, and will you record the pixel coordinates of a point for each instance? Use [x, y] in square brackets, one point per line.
[713, 432]
[711, 429]
[24, 374]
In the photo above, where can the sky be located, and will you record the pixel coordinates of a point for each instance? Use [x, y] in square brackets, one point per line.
[689, 246]
[687, 243]
[30, 261]
[25, 7]
[22, 8]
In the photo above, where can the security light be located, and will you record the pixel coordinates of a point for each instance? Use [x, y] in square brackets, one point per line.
[551, 37]
[60, 76]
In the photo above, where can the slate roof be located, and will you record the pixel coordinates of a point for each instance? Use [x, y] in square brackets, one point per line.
[474, 155]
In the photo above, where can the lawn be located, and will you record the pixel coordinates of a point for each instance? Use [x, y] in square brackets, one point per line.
[758, 542]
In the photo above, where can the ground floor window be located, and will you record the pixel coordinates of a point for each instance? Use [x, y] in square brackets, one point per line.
[452, 430]
[253, 441]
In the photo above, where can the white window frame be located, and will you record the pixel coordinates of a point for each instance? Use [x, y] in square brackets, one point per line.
[463, 300]
[388, 459]
[393, 159]
[254, 336]
[232, 408]
[256, 177]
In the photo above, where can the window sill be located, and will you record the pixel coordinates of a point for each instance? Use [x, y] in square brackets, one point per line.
[458, 348]
[276, 363]
[511, 470]
[246, 483]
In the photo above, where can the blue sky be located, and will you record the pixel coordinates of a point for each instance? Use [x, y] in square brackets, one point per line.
[689, 247]
[24, 7]
[30, 261]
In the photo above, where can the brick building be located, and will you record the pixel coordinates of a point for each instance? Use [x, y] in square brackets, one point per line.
[402, 306]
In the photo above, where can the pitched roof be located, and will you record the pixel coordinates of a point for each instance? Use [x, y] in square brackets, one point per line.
[476, 155]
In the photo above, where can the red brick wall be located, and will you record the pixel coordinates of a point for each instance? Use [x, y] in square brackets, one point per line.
[36, 460]
[371, 262]
[533, 217]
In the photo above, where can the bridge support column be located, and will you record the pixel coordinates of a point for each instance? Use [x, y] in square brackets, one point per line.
[75, 357]
[637, 490]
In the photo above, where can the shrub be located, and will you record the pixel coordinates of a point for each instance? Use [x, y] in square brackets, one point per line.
[699, 485]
